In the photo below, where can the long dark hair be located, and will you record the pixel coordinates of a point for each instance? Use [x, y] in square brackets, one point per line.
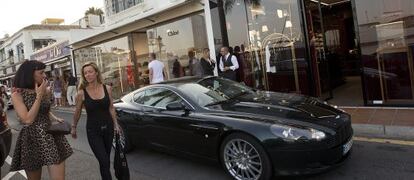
[24, 76]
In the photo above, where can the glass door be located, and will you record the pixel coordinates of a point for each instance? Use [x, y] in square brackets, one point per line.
[277, 45]
[318, 49]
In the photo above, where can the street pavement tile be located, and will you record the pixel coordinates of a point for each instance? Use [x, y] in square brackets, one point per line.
[383, 116]
[362, 115]
[404, 117]
[349, 110]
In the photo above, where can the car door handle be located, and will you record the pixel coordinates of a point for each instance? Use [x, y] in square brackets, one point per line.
[204, 126]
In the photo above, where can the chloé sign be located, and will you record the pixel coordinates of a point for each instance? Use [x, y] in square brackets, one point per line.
[173, 33]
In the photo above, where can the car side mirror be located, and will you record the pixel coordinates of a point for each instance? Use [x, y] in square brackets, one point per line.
[174, 106]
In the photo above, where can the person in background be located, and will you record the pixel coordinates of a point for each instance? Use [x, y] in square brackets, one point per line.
[4, 103]
[5, 97]
[71, 90]
[35, 147]
[240, 60]
[157, 72]
[57, 91]
[194, 64]
[228, 64]
[176, 70]
[101, 116]
[207, 63]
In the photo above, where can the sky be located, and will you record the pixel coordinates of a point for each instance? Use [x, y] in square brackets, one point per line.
[17, 14]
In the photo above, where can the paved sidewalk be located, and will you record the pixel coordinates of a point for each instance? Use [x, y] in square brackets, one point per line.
[68, 109]
[384, 122]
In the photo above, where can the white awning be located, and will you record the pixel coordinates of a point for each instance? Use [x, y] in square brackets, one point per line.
[137, 22]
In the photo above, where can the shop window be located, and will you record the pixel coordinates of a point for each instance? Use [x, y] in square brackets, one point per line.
[173, 44]
[387, 50]
[114, 62]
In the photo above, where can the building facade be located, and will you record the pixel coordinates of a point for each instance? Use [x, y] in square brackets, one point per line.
[347, 52]
[21, 45]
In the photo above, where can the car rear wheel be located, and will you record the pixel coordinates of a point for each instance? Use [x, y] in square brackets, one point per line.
[244, 158]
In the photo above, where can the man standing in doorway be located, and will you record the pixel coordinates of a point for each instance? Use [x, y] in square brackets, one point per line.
[228, 64]
[156, 68]
[71, 92]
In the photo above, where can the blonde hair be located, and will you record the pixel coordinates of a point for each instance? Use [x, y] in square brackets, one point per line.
[83, 83]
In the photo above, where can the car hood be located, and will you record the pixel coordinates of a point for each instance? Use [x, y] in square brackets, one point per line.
[273, 106]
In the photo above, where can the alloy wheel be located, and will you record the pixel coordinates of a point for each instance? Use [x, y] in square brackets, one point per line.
[242, 160]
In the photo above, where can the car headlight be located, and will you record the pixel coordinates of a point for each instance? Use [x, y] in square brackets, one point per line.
[294, 133]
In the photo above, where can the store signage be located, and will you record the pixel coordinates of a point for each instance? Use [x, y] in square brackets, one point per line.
[173, 33]
[53, 52]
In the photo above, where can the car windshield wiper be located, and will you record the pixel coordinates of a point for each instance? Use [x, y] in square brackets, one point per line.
[227, 100]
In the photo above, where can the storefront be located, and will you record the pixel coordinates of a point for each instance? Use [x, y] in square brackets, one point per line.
[352, 52]
[171, 35]
[342, 51]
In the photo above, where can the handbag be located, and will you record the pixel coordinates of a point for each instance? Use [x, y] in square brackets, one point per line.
[120, 160]
[59, 128]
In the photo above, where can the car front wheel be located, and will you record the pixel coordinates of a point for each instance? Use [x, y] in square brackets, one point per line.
[244, 158]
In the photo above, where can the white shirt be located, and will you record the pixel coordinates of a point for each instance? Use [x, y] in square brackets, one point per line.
[233, 61]
[157, 71]
[268, 67]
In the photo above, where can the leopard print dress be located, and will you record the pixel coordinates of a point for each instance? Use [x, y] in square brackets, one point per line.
[34, 146]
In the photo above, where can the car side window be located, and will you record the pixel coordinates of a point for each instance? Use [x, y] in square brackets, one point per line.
[160, 97]
[139, 97]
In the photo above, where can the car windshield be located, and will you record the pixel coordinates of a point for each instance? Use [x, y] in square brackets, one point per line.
[214, 90]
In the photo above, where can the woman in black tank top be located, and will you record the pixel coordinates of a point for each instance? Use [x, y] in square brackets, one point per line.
[101, 118]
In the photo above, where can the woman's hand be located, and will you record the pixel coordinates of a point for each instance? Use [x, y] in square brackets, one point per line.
[117, 129]
[73, 132]
[41, 90]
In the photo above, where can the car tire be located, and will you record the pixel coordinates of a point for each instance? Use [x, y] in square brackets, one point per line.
[243, 157]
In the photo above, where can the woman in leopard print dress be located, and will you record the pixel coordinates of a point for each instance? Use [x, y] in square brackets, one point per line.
[35, 147]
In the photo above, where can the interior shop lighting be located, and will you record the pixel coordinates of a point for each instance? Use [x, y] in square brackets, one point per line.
[279, 13]
[288, 24]
[264, 28]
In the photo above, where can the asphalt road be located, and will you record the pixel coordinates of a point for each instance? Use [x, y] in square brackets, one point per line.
[369, 160]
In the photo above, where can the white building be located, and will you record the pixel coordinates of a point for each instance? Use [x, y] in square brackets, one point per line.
[22, 44]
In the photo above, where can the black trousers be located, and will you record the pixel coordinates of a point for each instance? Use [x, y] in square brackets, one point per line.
[100, 139]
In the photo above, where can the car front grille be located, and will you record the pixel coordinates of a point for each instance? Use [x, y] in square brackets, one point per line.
[344, 133]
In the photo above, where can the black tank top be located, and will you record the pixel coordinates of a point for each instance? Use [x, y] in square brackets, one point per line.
[98, 114]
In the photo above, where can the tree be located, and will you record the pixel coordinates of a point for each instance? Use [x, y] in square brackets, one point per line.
[224, 7]
[94, 11]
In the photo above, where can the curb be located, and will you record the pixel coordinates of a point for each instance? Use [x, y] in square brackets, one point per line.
[384, 131]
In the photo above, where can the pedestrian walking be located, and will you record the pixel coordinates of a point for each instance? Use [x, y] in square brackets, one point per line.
[57, 91]
[71, 92]
[5, 98]
[35, 147]
[156, 68]
[228, 64]
[101, 118]
[207, 63]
